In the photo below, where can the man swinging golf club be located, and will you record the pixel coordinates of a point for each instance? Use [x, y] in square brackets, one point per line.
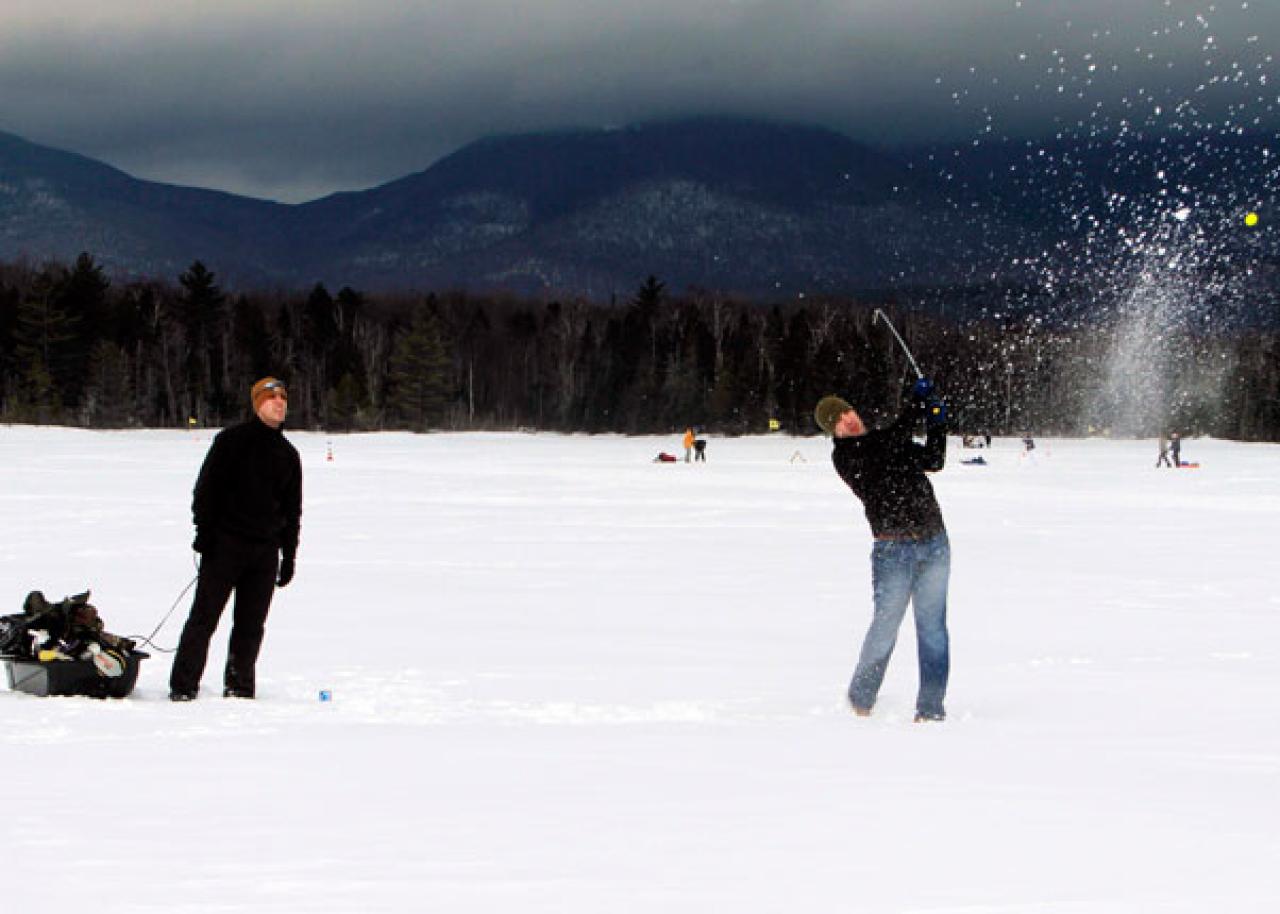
[247, 508]
[911, 557]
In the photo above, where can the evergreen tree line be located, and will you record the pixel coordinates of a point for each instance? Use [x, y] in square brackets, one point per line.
[78, 349]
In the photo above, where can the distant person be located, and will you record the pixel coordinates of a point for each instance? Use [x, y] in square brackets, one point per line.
[688, 444]
[911, 555]
[248, 509]
[1028, 444]
[1175, 449]
[1163, 458]
[700, 450]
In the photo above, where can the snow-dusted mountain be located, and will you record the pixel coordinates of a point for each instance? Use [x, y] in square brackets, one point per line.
[55, 204]
[737, 205]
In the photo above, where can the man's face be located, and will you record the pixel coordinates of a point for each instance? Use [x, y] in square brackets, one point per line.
[274, 408]
[849, 425]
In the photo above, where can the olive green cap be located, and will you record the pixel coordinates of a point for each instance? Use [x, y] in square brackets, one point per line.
[828, 412]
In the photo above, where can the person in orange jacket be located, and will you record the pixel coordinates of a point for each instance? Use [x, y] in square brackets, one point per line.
[688, 444]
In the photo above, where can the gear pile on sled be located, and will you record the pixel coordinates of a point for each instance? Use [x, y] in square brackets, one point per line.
[63, 649]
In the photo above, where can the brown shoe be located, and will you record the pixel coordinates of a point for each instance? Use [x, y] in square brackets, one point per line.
[922, 718]
[861, 712]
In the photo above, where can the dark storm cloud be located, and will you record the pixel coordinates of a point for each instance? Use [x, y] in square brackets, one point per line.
[293, 101]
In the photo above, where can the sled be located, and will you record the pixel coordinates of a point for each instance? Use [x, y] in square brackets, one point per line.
[71, 677]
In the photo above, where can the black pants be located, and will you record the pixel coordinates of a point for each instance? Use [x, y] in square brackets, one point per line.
[249, 568]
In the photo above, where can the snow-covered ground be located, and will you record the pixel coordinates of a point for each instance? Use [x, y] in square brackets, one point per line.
[567, 679]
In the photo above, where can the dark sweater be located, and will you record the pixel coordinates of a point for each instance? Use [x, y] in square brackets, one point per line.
[885, 468]
[250, 486]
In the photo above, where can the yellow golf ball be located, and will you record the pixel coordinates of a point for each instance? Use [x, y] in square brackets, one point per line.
[1251, 219]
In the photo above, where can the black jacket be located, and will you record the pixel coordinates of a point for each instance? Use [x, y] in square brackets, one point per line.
[250, 486]
[885, 468]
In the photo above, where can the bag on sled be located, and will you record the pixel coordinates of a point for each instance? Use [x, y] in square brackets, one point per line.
[62, 649]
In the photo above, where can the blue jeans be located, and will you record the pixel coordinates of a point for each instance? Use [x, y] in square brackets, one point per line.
[916, 572]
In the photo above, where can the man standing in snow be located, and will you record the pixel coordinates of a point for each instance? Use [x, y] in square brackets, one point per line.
[247, 509]
[911, 556]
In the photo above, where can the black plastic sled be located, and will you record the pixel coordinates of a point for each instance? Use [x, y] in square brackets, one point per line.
[71, 677]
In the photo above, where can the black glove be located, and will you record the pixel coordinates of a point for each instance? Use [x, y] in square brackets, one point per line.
[286, 571]
[203, 543]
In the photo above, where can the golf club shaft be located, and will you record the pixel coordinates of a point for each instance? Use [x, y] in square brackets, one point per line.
[880, 315]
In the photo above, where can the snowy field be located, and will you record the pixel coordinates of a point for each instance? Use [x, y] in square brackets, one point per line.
[567, 679]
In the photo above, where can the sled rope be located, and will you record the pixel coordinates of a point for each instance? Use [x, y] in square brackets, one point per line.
[165, 618]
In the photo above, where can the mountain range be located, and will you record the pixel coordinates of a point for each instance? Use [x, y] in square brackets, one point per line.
[760, 209]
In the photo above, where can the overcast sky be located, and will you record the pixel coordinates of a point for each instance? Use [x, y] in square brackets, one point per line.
[293, 100]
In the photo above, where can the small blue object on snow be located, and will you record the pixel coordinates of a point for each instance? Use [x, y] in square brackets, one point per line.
[326, 695]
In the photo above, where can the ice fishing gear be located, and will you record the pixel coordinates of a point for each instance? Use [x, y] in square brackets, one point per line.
[62, 630]
[63, 648]
[878, 315]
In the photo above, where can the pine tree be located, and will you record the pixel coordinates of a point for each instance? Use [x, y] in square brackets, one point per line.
[346, 401]
[108, 391]
[418, 375]
[45, 348]
[203, 316]
[645, 309]
[83, 293]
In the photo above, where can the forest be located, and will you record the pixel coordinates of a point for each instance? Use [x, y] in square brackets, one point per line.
[79, 349]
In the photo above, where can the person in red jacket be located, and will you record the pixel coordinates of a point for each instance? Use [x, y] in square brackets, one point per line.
[911, 555]
[247, 508]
